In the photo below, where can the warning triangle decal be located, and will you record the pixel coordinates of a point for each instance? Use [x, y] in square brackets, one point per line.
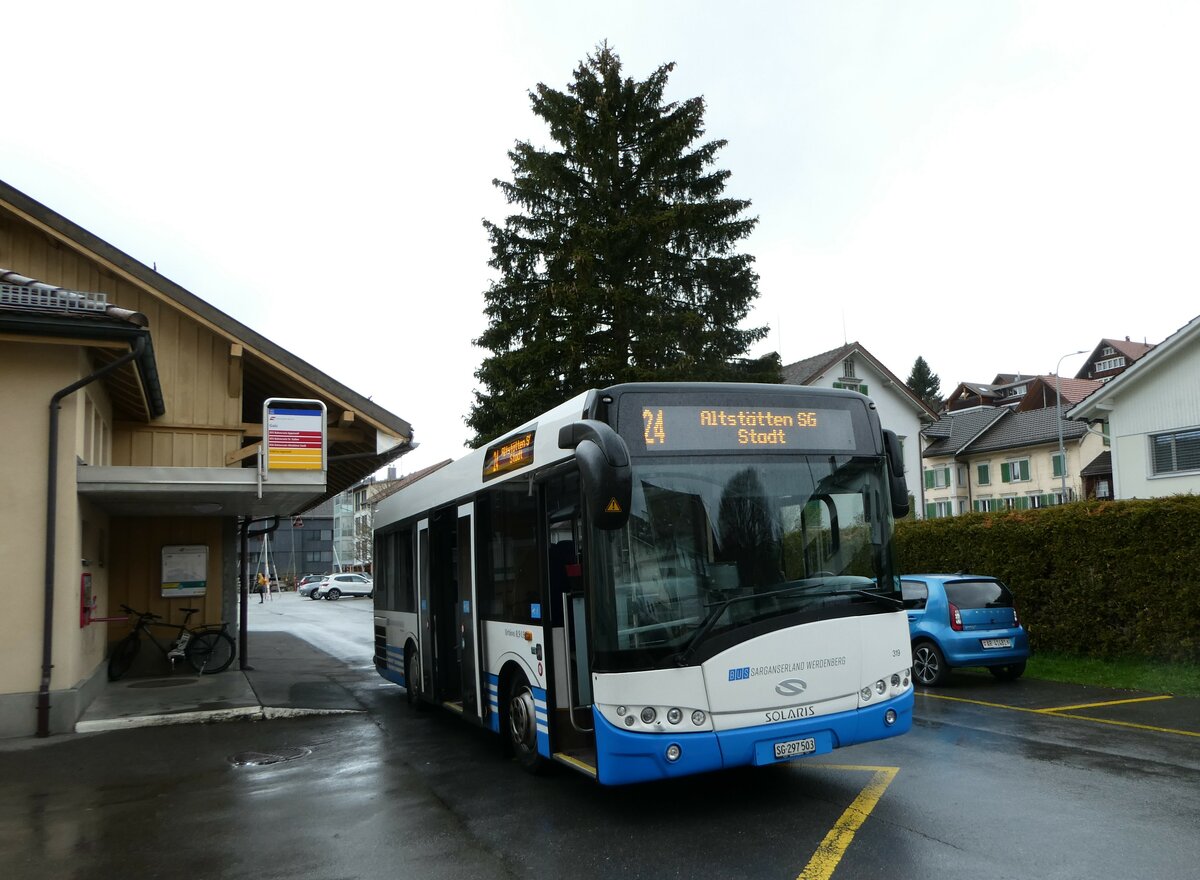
[613, 506]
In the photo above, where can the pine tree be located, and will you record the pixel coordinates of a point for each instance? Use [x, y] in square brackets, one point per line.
[619, 264]
[925, 384]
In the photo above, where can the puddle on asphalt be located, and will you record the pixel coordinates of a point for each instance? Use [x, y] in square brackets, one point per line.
[263, 759]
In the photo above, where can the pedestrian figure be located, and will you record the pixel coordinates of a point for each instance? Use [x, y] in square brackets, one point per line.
[262, 585]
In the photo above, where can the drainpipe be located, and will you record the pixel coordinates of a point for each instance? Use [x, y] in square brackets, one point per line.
[43, 700]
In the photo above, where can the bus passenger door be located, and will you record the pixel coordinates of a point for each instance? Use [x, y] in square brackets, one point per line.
[465, 613]
[424, 609]
[444, 607]
[564, 565]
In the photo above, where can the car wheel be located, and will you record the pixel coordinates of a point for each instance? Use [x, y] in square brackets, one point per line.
[928, 664]
[1008, 672]
[334, 594]
[313, 595]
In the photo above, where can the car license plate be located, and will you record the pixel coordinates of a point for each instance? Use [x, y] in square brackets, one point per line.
[997, 643]
[795, 748]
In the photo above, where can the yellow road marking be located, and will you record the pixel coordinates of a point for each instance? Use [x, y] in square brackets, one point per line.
[1131, 724]
[830, 851]
[1062, 713]
[1108, 703]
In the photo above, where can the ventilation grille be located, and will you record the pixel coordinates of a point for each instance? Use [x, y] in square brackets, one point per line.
[56, 299]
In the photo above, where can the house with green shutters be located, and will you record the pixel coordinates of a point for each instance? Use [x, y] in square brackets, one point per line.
[1002, 458]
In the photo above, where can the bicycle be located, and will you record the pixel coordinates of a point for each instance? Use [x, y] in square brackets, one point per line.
[208, 649]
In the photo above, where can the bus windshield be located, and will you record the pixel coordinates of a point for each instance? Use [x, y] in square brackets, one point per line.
[714, 546]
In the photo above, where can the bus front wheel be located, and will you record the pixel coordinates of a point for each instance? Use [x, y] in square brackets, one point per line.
[522, 725]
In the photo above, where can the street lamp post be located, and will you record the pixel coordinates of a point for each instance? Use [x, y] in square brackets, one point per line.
[1062, 450]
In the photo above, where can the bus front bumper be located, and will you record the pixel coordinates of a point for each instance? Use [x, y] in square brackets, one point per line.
[623, 757]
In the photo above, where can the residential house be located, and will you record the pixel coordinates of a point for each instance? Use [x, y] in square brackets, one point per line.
[136, 418]
[1151, 412]
[900, 409]
[1111, 358]
[997, 458]
[1003, 390]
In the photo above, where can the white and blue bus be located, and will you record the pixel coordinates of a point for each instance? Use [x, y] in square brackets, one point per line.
[654, 579]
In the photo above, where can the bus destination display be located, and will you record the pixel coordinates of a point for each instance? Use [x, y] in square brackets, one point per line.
[716, 428]
[508, 455]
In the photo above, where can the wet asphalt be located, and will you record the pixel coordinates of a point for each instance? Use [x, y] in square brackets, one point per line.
[996, 780]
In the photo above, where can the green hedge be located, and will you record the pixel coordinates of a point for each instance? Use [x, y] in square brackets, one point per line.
[1101, 579]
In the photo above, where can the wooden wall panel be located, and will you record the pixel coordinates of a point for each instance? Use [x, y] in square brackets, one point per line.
[135, 577]
[193, 361]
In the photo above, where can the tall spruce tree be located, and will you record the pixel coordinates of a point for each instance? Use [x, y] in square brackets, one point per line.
[619, 264]
[925, 384]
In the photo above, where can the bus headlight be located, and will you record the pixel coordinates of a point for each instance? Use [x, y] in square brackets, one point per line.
[865, 693]
[889, 717]
[895, 679]
[674, 752]
[698, 718]
[880, 687]
[674, 715]
[648, 715]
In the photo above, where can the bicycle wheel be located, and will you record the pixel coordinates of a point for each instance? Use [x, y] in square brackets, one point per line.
[210, 652]
[122, 656]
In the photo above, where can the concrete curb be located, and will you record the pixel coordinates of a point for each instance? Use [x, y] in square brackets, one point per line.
[247, 713]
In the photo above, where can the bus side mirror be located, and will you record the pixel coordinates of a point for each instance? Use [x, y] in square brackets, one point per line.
[604, 469]
[896, 482]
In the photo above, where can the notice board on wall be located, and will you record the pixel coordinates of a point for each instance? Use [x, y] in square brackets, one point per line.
[184, 570]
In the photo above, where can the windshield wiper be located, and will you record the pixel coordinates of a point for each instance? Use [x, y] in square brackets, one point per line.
[684, 657]
[879, 597]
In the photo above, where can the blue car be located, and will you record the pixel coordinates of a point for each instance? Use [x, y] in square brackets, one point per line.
[962, 620]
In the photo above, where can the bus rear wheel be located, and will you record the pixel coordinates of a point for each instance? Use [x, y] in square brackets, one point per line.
[521, 725]
[412, 679]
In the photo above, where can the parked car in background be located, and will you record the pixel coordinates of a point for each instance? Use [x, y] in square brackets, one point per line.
[962, 620]
[307, 584]
[334, 586]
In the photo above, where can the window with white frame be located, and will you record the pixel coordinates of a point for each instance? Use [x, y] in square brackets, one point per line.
[939, 509]
[1176, 452]
[937, 478]
[1015, 471]
[1109, 364]
[848, 368]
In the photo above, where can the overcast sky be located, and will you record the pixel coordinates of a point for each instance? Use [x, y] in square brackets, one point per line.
[988, 185]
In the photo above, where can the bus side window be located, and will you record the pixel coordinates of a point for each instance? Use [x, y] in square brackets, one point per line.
[510, 581]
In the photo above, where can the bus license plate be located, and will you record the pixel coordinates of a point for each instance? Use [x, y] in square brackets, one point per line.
[795, 748]
[997, 643]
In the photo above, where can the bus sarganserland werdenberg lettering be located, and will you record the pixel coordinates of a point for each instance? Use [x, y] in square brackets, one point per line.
[653, 580]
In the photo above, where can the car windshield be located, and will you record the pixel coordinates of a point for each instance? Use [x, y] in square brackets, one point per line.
[712, 546]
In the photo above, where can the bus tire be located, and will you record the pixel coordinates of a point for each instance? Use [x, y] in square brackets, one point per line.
[520, 725]
[412, 679]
